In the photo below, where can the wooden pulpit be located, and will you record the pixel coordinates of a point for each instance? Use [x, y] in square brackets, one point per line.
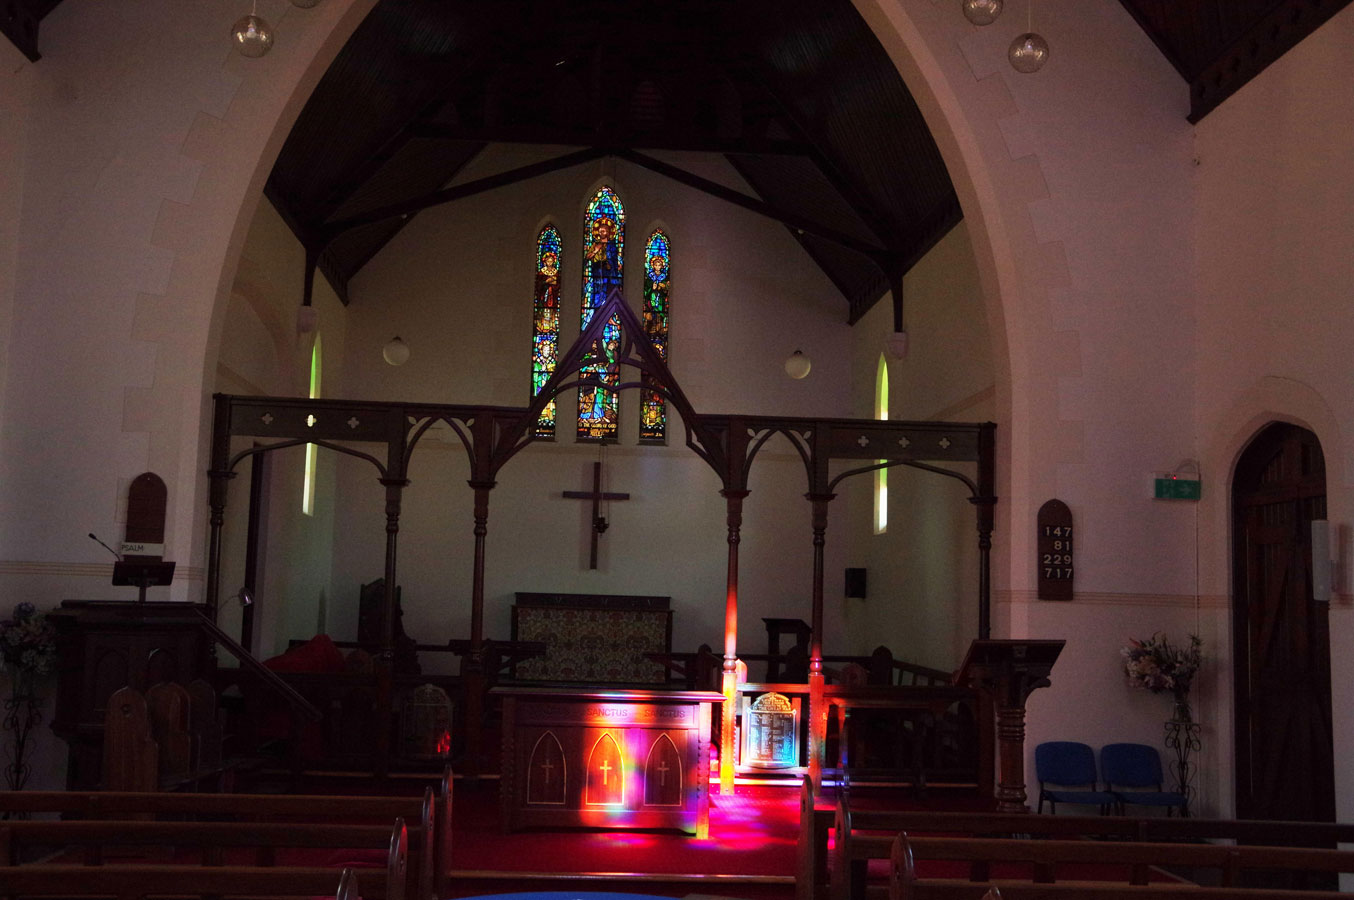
[1005, 673]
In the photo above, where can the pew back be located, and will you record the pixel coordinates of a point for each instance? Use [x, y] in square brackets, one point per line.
[906, 885]
[861, 835]
[264, 821]
[135, 882]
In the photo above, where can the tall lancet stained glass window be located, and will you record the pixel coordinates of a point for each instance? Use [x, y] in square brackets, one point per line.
[657, 273]
[603, 261]
[545, 330]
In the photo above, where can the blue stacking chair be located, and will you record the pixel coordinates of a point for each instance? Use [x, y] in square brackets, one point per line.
[1069, 766]
[1133, 773]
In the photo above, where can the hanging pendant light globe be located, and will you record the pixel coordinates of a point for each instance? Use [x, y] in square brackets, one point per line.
[1028, 53]
[396, 352]
[982, 12]
[798, 365]
[252, 36]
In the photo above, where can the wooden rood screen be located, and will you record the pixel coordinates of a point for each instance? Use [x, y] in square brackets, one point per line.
[593, 638]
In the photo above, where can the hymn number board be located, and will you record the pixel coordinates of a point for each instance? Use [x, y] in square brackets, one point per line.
[1054, 548]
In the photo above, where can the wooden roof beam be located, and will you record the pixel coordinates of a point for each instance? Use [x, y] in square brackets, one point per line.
[674, 142]
[880, 255]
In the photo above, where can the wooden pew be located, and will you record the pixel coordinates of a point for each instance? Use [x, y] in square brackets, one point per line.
[1136, 858]
[144, 881]
[862, 835]
[93, 876]
[1045, 855]
[348, 888]
[430, 820]
[441, 855]
[815, 822]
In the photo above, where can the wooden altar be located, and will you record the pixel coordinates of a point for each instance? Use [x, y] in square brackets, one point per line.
[606, 758]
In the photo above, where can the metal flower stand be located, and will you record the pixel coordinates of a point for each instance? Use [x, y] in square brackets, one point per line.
[1183, 737]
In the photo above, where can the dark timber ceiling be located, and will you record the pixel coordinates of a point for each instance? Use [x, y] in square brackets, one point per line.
[1219, 45]
[797, 95]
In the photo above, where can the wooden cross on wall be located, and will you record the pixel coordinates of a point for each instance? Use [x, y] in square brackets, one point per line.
[596, 495]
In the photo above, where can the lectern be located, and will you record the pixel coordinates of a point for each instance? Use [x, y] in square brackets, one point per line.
[1006, 673]
[142, 573]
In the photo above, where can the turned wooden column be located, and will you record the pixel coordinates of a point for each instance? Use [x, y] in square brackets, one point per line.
[817, 705]
[219, 476]
[1005, 673]
[385, 659]
[729, 683]
[474, 678]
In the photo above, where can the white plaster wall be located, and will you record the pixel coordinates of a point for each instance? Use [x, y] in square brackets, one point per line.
[1274, 224]
[456, 286]
[132, 170]
[16, 76]
[1076, 185]
[142, 162]
[923, 570]
[262, 353]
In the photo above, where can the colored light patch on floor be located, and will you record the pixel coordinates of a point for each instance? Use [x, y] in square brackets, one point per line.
[752, 832]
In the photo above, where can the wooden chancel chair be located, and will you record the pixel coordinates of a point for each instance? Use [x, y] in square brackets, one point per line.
[131, 758]
[1066, 773]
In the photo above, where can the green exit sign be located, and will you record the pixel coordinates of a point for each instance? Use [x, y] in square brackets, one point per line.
[1172, 488]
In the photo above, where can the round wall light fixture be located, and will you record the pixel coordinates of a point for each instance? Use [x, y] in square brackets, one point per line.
[797, 366]
[252, 36]
[982, 12]
[396, 351]
[1028, 53]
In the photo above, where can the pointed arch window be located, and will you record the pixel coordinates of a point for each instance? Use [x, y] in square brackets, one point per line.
[657, 277]
[603, 263]
[312, 451]
[881, 476]
[545, 328]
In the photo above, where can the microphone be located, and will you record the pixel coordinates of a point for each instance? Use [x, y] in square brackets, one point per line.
[95, 539]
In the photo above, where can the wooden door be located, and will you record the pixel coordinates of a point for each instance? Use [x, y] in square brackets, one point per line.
[1285, 766]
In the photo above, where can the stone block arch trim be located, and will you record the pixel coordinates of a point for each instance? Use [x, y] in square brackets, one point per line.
[1019, 272]
[203, 237]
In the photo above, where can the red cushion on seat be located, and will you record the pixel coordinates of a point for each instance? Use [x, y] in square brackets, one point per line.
[316, 655]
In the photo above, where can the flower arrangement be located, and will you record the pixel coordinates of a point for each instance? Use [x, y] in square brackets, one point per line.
[27, 650]
[27, 642]
[1154, 665]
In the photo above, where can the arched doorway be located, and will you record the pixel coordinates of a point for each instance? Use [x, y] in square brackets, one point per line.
[1284, 758]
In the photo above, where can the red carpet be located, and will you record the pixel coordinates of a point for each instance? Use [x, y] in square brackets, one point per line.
[751, 833]
[750, 854]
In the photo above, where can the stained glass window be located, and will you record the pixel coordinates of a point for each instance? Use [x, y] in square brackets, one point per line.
[657, 273]
[881, 476]
[545, 331]
[308, 484]
[603, 260]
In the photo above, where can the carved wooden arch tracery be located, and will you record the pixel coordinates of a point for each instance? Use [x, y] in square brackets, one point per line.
[492, 435]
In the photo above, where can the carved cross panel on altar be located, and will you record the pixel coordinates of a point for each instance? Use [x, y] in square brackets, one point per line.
[605, 785]
[663, 774]
[547, 776]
